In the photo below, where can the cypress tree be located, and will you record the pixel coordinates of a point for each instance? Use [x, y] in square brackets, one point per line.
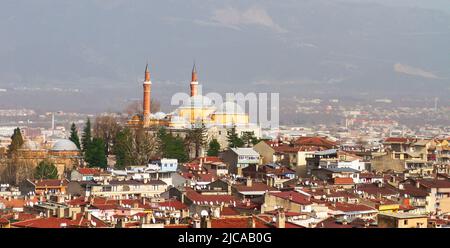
[74, 136]
[46, 170]
[16, 142]
[95, 153]
[86, 138]
[214, 148]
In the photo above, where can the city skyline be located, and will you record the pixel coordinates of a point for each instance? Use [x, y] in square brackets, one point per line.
[71, 50]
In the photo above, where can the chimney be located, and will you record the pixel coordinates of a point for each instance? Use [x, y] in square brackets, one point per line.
[196, 223]
[74, 215]
[60, 212]
[251, 222]
[88, 216]
[249, 182]
[281, 219]
[401, 187]
[205, 222]
[16, 215]
[143, 201]
[417, 184]
[121, 223]
[328, 191]
[148, 218]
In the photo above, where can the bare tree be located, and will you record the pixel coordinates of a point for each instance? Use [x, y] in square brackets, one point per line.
[17, 170]
[145, 146]
[106, 128]
[134, 147]
[135, 107]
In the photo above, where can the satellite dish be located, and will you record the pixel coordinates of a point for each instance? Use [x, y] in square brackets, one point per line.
[204, 213]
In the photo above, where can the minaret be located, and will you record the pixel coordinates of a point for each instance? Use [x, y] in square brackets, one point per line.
[194, 82]
[147, 90]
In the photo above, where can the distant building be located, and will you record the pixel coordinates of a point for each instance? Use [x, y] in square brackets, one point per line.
[239, 158]
[402, 220]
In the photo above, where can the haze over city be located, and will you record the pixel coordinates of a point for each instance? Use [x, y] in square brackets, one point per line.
[66, 52]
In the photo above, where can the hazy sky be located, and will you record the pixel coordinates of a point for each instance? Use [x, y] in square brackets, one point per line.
[290, 46]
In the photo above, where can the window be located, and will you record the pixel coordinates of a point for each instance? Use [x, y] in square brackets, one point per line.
[405, 222]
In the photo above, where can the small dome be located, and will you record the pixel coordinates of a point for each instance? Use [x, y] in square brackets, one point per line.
[197, 102]
[64, 145]
[178, 119]
[30, 145]
[230, 108]
[159, 115]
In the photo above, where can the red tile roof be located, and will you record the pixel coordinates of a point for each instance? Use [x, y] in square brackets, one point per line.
[236, 222]
[348, 207]
[50, 182]
[315, 141]
[173, 203]
[17, 203]
[53, 222]
[435, 183]
[343, 180]
[398, 140]
[256, 186]
[293, 196]
[89, 171]
[292, 225]
[412, 190]
[4, 221]
[20, 216]
[373, 189]
[227, 211]
[197, 197]
[177, 226]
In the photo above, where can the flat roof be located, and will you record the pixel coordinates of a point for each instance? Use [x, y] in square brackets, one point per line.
[341, 169]
[403, 215]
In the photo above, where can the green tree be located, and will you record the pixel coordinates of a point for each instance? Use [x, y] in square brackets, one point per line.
[74, 136]
[249, 139]
[196, 137]
[171, 146]
[95, 153]
[106, 127]
[86, 138]
[122, 148]
[233, 138]
[16, 142]
[214, 148]
[46, 170]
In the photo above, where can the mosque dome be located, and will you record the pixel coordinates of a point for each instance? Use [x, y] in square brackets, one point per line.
[159, 115]
[197, 101]
[64, 145]
[30, 145]
[230, 108]
[179, 121]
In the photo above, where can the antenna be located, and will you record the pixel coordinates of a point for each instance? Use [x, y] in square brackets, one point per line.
[436, 99]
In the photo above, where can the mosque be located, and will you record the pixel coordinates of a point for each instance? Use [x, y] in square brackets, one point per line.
[194, 111]
[64, 154]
